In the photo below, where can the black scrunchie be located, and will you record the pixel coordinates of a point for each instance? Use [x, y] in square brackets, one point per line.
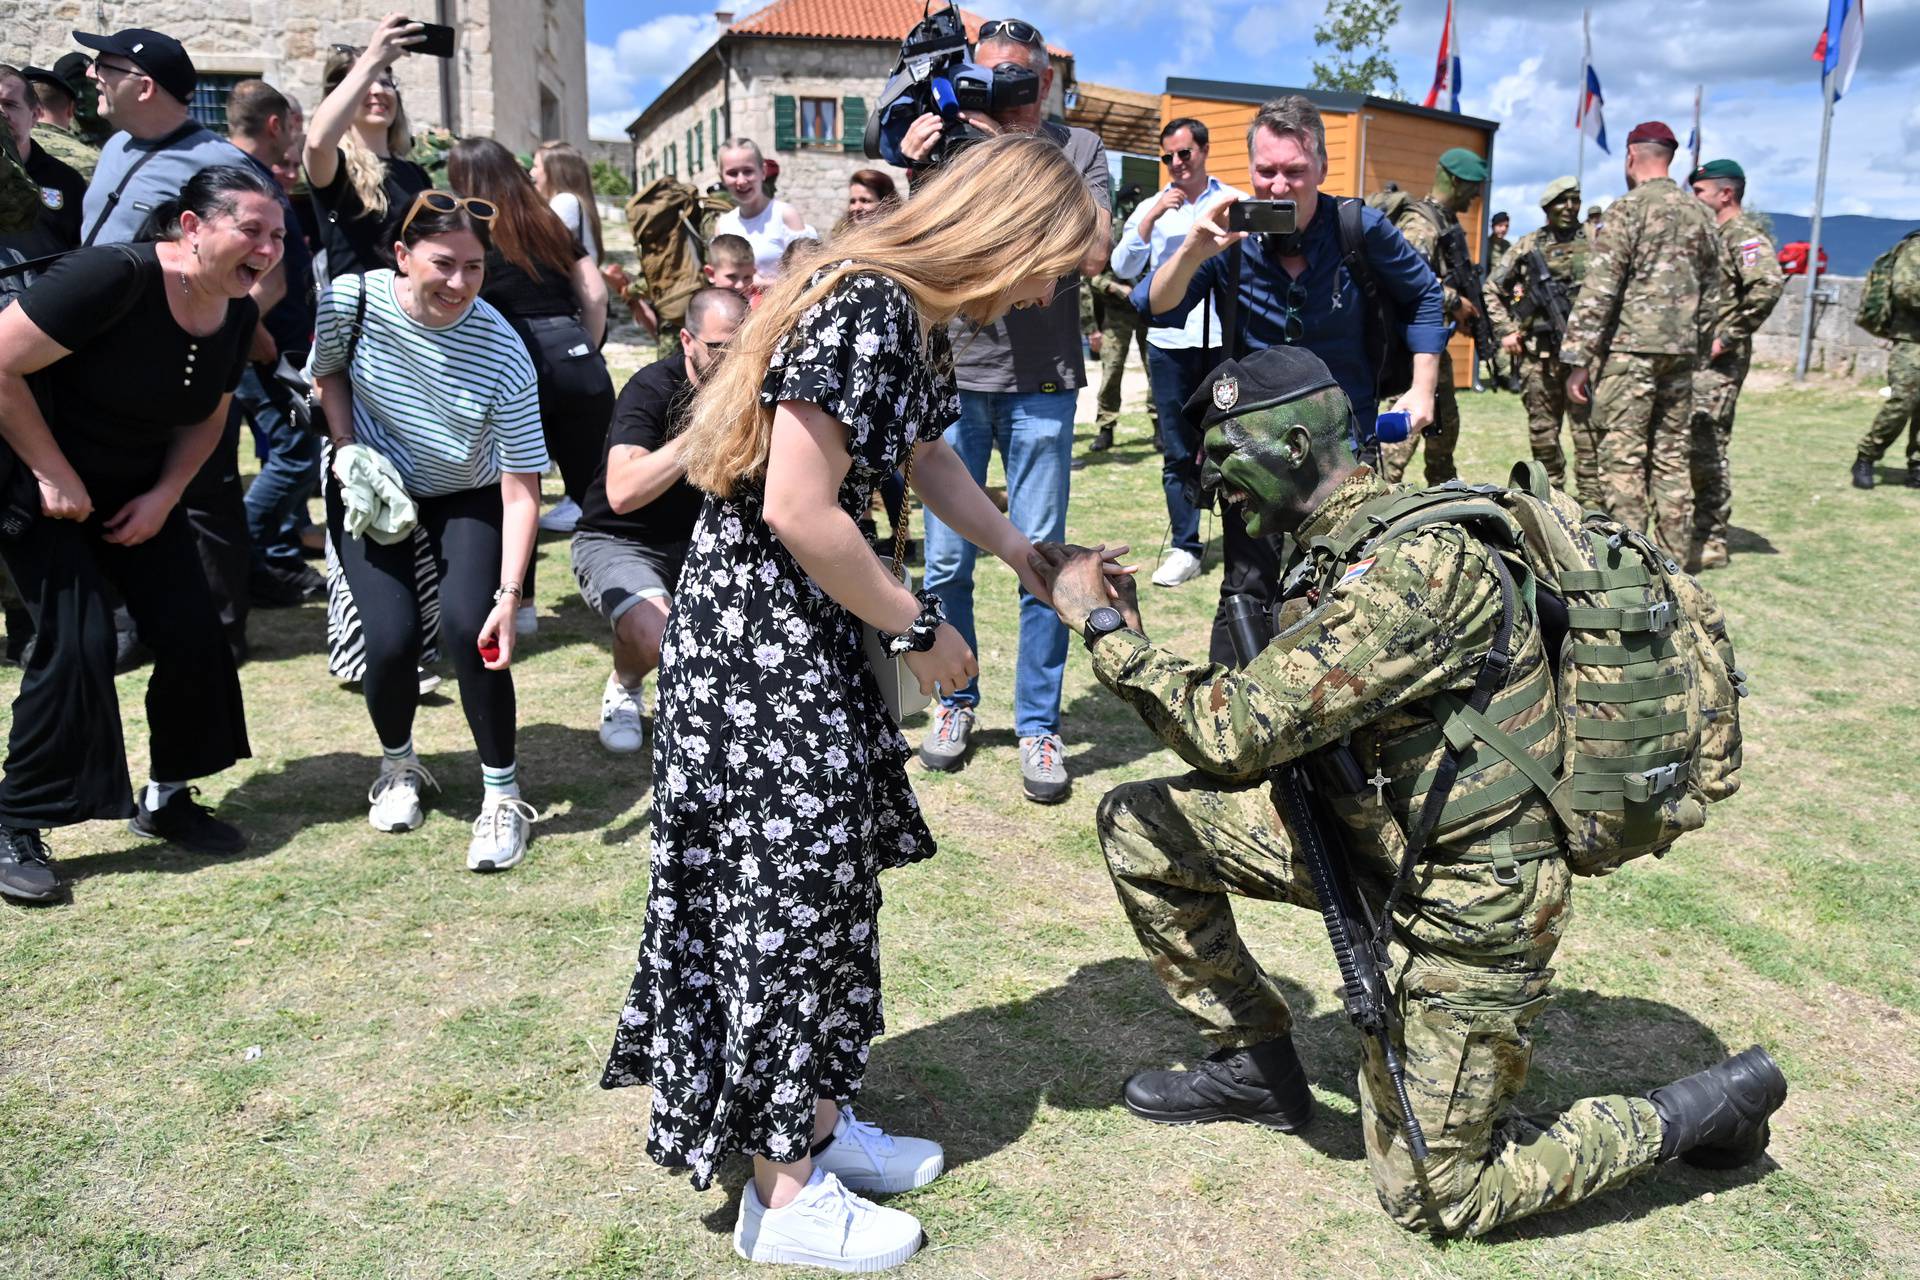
[918, 638]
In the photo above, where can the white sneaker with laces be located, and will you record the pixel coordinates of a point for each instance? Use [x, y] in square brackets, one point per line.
[562, 518]
[622, 723]
[826, 1225]
[526, 620]
[500, 834]
[867, 1159]
[395, 795]
[1180, 566]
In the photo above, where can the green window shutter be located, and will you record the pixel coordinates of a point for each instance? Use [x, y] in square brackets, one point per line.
[853, 124]
[786, 127]
[713, 127]
[693, 161]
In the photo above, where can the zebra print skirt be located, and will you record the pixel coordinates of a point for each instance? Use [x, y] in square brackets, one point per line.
[346, 647]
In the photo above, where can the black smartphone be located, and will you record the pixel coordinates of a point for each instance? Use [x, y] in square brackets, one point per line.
[436, 40]
[1261, 217]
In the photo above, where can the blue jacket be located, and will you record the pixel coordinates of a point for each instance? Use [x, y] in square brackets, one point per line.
[1333, 313]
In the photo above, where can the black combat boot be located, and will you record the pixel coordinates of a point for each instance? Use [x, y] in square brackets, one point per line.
[1717, 1118]
[1913, 475]
[1262, 1084]
[1862, 474]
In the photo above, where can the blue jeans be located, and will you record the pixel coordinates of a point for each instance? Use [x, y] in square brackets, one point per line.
[1034, 433]
[289, 474]
[1174, 375]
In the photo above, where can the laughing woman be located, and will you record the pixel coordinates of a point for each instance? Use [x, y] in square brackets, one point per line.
[137, 349]
[780, 788]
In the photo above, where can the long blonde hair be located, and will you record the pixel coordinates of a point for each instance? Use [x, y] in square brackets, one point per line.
[566, 170]
[367, 172]
[1001, 211]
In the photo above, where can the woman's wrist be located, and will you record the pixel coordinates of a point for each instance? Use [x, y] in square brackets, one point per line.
[917, 636]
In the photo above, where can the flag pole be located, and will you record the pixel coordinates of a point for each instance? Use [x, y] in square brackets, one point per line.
[1586, 47]
[1813, 239]
[1699, 134]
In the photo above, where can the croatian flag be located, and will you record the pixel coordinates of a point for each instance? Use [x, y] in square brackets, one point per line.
[1446, 68]
[1839, 49]
[1588, 119]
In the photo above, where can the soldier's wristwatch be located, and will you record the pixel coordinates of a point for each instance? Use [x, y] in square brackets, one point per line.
[1102, 621]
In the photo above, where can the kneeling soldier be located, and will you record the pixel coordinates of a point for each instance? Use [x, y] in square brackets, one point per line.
[1363, 654]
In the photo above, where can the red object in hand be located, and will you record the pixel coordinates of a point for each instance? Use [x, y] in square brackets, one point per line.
[489, 650]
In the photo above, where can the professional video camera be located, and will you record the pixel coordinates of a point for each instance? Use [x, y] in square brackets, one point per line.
[934, 76]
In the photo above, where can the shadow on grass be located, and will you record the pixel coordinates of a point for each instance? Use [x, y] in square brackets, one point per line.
[1750, 542]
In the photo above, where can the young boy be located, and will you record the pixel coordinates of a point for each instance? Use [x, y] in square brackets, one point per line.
[730, 265]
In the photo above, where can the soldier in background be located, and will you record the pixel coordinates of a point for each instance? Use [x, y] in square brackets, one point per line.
[1457, 180]
[1752, 285]
[1901, 412]
[56, 113]
[1594, 220]
[1564, 246]
[1497, 243]
[1474, 944]
[1648, 308]
[1118, 328]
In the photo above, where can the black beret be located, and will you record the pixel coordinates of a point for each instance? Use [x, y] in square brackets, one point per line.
[1264, 379]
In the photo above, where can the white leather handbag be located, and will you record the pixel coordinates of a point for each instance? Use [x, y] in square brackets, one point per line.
[899, 687]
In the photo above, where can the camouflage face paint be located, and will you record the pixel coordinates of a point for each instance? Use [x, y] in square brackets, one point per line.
[1564, 212]
[1248, 456]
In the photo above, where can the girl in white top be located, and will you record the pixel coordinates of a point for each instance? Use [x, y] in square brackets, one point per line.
[767, 224]
[560, 173]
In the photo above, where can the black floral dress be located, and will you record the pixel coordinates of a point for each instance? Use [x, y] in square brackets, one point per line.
[780, 783]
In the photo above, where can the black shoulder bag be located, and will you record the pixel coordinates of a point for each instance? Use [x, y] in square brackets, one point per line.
[305, 408]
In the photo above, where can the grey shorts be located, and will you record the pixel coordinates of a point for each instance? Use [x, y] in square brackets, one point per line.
[617, 573]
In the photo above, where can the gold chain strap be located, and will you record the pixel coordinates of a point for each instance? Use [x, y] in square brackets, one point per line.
[906, 513]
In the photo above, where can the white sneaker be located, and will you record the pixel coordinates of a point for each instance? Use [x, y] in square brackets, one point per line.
[865, 1158]
[622, 724]
[526, 620]
[395, 795]
[500, 834]
[429, 681]
[1180, 566]
[826, 1225]
[562, 518]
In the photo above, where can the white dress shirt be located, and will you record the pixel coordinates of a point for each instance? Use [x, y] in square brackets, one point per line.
[1133, 255]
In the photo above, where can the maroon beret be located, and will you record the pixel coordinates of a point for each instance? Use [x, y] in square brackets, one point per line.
[1652, 131]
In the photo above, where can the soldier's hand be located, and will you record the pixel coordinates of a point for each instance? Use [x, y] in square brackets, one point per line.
[1719, 349]
[1076, 577]
[1093, 342]
[1464, 311]
[1577, 387]
[1125, 590]
[1511, 344]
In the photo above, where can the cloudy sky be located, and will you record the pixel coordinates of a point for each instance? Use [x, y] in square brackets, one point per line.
[1521, 62]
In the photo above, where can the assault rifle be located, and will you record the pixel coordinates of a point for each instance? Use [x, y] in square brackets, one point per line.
[1359, 946]
[1545, 303]
[1463, 277]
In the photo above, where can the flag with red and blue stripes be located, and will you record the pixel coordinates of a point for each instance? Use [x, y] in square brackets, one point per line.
[1446, 68]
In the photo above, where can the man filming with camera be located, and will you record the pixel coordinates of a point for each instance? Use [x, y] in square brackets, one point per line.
[1291, 268]
[1018, 379]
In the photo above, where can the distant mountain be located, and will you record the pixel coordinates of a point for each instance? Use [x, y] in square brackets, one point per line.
[1852, 241]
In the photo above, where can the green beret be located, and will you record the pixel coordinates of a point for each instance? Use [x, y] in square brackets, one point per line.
[1464, 165]
[1718, 169]
[1559, 187]
[1268, 377]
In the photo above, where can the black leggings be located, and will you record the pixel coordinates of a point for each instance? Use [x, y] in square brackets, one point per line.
[66, 756]
[463, 530]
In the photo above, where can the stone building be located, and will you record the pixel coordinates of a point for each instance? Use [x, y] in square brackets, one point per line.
[520, 73]
[798, 77]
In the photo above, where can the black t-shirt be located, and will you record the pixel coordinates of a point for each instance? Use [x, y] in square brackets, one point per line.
[135, 376]
[355, 241]
[652, 410]
[61, 191]
[519, 294]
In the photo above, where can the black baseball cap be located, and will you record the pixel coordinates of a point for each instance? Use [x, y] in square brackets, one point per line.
[156, 54]
[40, 75]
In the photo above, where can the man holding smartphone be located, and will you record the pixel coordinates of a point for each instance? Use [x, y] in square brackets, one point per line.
[1302, 288]
[1176, 359]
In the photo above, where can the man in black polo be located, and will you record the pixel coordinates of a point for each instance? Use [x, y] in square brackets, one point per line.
[639, 513]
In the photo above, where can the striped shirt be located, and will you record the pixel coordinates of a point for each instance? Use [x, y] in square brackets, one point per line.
[451, 408]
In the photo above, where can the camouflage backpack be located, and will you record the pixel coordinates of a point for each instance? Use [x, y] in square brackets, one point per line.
[672, 224]
[1877, 311]
[1642, 668]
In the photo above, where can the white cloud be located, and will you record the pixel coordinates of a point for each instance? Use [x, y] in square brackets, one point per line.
[624, 76]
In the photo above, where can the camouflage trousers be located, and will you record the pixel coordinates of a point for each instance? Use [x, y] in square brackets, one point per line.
[1394, 458]
[1177, 847]
[1119, 338]
[1901, 412]
[1716, 390]
[667, 341]
[1543, 390]
[1643, 410]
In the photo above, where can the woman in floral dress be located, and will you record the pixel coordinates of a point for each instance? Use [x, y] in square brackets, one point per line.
[780, 785]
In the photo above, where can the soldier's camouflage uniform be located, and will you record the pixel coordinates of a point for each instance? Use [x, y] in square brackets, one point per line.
[19, 193]
[1479, 925]
[66, 146]
[1543, 375]
[1645, 316]
[1750, 291]
[1901, 412]
[1421, 231]
[1122, 329]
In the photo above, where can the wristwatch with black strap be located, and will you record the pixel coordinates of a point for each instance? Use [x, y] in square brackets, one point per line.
[1102, 622]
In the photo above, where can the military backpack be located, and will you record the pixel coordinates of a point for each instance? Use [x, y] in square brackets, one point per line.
[1877, 310]
[1641, 667]
[672, 224]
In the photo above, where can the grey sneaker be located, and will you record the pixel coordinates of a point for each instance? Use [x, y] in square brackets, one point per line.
[945, 746]
[1043, 768]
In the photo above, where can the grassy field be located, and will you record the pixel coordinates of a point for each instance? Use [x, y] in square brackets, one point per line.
[342, 1055]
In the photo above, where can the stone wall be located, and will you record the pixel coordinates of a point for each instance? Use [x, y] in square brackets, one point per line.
[508, 50]
[1841, 348]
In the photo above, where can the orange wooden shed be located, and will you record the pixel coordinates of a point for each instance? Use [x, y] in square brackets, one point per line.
[1370, 143]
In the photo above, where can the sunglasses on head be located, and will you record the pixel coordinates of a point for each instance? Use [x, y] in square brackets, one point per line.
[1183, 155]
[1010, 29]
[447, 202]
